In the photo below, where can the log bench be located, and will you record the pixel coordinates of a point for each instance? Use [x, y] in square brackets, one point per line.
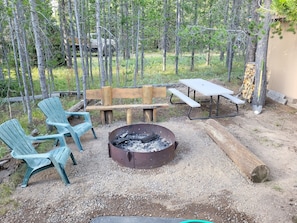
[142, 99]
[187, 100]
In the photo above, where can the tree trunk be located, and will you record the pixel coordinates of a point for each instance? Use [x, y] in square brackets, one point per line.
[233, 26]
[136, 47]
[142, 45]
[65, 48]
[99, 43]
[22, 57]
[110, 52]
[193, 40]
[165, 34]
[177, 38]
[259, 95]
[252, 33]
[39, 48]
[72, 35]
[81, 51]
[15, 53]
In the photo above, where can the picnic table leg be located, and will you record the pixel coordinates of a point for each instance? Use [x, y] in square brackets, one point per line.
[210, 106]
[218, 104]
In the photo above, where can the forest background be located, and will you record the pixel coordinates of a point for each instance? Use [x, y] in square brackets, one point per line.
[44, 44]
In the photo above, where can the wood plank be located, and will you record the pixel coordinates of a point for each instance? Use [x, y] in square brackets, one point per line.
[77, 107]
[126, 92]
[158, 92]
[94, 94]
[18, 99]
[248, 163]
[278, 97]
[125, 106]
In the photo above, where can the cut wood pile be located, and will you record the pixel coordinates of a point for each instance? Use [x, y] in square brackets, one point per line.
[248, 81]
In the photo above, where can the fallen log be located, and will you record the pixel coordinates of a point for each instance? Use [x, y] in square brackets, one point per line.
[248, 163]
[78, 106]
[36, 97]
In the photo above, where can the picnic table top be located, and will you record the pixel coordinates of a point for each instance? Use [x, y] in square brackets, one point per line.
[205, 87]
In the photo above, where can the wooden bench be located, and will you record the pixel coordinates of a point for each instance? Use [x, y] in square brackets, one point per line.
[144, 95]
[187, 100]
[234, 100]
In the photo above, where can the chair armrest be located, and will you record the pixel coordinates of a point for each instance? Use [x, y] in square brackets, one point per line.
[31, 156]
[77, 113]
[57, 123]
[59, 137]
[86, 115]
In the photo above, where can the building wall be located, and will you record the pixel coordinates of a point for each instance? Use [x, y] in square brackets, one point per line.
[282, 64]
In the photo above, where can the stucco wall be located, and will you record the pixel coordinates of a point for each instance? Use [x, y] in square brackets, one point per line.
[282, 64]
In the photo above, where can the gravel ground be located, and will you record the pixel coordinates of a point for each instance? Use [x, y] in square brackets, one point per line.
[200, 183]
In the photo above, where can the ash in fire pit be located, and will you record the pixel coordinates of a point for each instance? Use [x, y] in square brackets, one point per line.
[141, 142]
[142, 146]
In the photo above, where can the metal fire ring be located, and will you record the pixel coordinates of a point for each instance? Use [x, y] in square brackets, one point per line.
[142, 160]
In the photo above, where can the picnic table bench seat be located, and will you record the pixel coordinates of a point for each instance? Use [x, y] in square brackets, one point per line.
[194, 104]
[187, 100]
[237, 101]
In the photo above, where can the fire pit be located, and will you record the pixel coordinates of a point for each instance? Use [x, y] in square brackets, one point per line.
[142, 146]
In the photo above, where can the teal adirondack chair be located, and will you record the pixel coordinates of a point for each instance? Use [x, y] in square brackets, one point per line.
[57, 116]
[13, 135]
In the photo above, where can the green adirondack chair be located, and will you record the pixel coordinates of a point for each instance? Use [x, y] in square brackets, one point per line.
[57, 116]
[13, 135]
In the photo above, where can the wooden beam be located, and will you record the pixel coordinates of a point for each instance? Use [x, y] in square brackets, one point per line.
[77, 107]
[157, 92]
[94, 94]
[36, 97]
[126, 106]
[248, 163]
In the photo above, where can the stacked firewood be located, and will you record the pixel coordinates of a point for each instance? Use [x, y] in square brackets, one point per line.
[248, 81]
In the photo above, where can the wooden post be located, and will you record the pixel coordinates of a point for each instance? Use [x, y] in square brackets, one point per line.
[102, 117]
[129, 116]
[155, 115]
[107, 100]
[147, 98]
[247, 162]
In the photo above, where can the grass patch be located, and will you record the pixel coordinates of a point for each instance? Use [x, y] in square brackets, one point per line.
[277, 188]
[8, 187]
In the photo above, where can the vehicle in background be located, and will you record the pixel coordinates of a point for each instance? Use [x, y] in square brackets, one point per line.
[108, 45]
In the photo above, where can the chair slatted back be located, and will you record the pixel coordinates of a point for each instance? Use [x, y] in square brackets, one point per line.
[13, 135]
[53, 110]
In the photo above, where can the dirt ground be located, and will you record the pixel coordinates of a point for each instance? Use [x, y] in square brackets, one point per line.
[200, 183]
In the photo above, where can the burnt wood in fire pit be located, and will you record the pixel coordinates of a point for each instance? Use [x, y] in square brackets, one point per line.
[142, 146]
[143, 139]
